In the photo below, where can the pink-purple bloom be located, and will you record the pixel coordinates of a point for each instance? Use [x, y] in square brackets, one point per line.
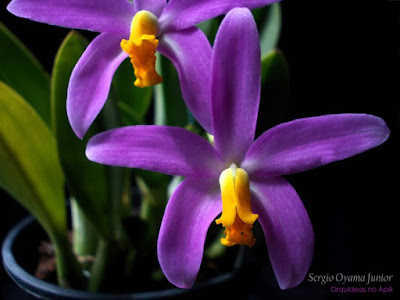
[288, 148]
[179, 40]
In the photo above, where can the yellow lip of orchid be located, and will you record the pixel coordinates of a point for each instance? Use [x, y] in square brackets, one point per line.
[141, 48]
[236, 217]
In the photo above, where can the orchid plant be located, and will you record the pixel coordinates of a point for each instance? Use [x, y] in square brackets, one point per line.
[91, 117]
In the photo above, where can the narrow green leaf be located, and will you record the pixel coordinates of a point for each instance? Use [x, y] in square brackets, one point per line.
[85, 237]
[271, 28]
[133, 102]
[87, 181]
[22, 72]
[29, 166]
[170, 108]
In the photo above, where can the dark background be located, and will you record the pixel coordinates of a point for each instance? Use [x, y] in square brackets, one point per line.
[343, 58]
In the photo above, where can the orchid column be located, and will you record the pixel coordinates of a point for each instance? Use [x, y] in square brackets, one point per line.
[239, 177]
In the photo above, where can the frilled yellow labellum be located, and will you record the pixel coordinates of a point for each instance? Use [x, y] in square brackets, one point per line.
[141, 48]
[236, 217]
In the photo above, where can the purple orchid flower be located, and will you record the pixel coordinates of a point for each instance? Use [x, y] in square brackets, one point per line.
[150, 25]
[238, 175]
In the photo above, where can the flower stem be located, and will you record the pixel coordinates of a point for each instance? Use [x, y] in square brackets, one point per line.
[111, 267]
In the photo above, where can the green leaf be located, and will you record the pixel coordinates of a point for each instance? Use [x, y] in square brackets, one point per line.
[170, 108]
[210, 28]
[270, 28]
[22, 72]
[30, 171]
[275, 90]
[29, 166]
[87, 181]
[133, 102]
[258, 14]
[153, 202]
[274, 68]
[85, 237]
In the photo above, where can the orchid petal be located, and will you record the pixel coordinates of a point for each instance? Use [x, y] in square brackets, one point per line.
[169, 150]
[153, 6]
[287, 229]
[190, 52]
[180, 14]
[91, 80]
[235, 84]
[188, 215]
[101, 16]
[308, 143]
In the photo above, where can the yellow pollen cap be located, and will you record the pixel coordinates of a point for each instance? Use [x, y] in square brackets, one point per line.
[141, 48]
[236, 217]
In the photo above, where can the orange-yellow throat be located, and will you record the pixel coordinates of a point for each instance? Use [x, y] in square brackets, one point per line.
[236, 217]
[141, 48]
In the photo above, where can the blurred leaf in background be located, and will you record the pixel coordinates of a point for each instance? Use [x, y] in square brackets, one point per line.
[22, 72]
[86, 180]
[274, 105]
[133, 102]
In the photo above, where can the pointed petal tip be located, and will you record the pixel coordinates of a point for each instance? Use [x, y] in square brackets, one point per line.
[385, 129]
[12, 7]
[9, 7]
[76, 125]
[239, 11]
[377, 126]
[288, 285]
[188, 284]
[78, 134]
[298, 273]
[296, 278]
[92, 147]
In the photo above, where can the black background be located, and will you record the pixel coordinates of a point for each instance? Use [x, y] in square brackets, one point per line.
[343, 58]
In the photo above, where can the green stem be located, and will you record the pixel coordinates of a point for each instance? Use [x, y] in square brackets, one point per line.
[154, 199]
[99, 266]
[160, 114]
[110, 267]
[69, 271]
[169, 107]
